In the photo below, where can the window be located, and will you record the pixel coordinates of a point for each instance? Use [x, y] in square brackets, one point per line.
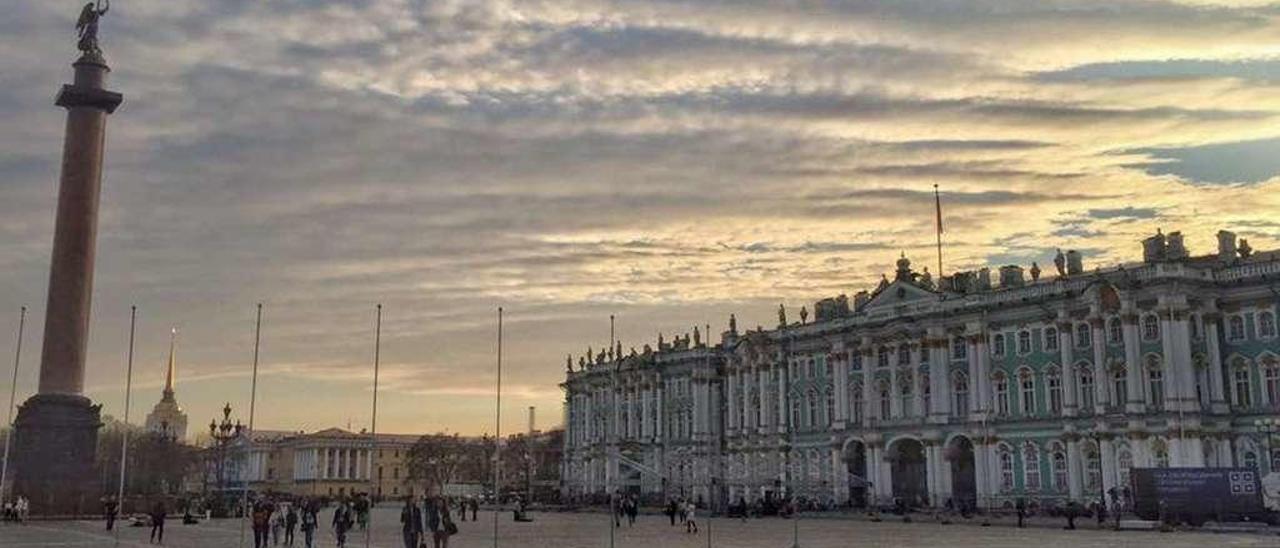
[1240, 374]
[904, 391]
[886, 398]
[1086, 388]
[855, 402]
[959, 349]
[1150, 327]
[811, 410]
[926, 394]
[1054, 382]
[1050, 339]
[1250, 460]
[1155, 383]
[1266, 325]
[997, 345]
[1124, 463]
[1271, 381]
[1027, 386]
[1119, 386]
[1024, 342]
[904, 355]
[882, 357]
[1059, 463]
[1001, 386]
[808, 369]
[1092, 470]
[831, 408]
[960, 394]
[1235, 328]
[1160, 453]
[1031, 467]
[1115, 332]
[855, 361]
[1006, 469]
[1083, 338]
[795, 414]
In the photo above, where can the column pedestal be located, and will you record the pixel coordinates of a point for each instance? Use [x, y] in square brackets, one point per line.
[58, 434]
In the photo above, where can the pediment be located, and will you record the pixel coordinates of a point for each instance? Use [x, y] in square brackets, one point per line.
[897, 293]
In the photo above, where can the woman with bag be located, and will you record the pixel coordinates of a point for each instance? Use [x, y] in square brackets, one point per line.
[447, 527]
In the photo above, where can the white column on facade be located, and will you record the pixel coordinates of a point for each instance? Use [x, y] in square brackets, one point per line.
[1133, 364]
[895, 390]
[839, 479]
[1168, 368]
[870, 408]
[939, 377]
[1217, 392]
[1075, 473]
[917, 384]
[976, 382]
[660, 427]
[931, 476]
[983, 381]
[838, 363]
[1186, 386]
[1065, 350]
[731, 397]
[1101, 378]
[779, 419]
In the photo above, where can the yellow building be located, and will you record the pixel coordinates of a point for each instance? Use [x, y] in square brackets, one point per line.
[331, 462]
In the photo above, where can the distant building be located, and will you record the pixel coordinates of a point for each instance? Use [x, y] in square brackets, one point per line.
[1046, 389]
[167, 417]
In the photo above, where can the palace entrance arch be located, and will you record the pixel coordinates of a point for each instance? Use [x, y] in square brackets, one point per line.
[908, 471]
[855, 458]
[964, 483]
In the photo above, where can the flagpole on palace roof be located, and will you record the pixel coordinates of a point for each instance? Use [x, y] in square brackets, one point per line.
[937, 202]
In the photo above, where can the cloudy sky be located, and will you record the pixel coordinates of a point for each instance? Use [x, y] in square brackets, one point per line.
[667, 162]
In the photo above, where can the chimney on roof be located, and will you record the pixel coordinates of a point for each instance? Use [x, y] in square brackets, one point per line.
[984, 279]
[1075, 264]
[1226, 246]
[1011, 276]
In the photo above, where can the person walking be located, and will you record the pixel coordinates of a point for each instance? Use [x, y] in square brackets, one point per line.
[475, 508]
[277, 525]
[430, 517]
[290, 523]
[22, 508]
[157, 523]
[260, 518]
[1021, 507]
[1071, 512]
[690, 523]
[633, 509]
[447, 527]
[671, 511]
[411, 523]
[109, 507]
[342, 522]
[309, 522]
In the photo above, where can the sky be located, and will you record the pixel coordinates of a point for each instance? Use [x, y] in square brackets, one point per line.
[666, 162]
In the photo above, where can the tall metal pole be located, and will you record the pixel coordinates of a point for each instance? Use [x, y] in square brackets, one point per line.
[373, 427]
[13, 393]
[611, 439]
[497, 435]
[937, 201]
[128, 397]
[253, 400]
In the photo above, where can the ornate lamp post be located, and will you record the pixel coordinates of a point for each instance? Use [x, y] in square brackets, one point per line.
[1268, 427]
[222, 434]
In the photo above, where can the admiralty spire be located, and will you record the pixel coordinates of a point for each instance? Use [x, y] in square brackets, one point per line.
[166, 417]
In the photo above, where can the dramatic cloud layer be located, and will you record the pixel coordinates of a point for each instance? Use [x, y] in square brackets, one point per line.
[667, 162]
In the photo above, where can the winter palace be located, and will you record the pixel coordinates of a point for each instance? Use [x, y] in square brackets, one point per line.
[967, 389]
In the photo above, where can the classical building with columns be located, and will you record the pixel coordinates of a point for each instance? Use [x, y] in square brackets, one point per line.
[980, 391]
[330, 463]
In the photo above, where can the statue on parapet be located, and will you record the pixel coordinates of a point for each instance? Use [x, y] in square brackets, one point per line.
[782, 315]
[87, 26]
[1060, 262]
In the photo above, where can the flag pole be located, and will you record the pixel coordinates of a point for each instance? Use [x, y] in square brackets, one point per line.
[128, 395]
[937, 202]
[373, 427]
[13, 393]
[253, 400]
[497, 435]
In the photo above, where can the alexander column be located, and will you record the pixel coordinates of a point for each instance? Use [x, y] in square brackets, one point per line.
[56, 432]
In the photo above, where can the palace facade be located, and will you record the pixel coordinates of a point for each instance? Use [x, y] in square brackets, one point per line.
[1050, 388]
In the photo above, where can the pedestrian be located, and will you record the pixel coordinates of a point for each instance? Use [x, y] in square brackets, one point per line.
[1071, 511]
[411, 523]
[109, 508]
[277, 525]
[430, 517]
[309, 522]
[633, 509]
[671, 511]
[260, 518]
[690, 524]
[290, 523]
[1021, 507]
[683, 509]
[475, 508]
[157, 523]
[342, 522]
[22, 508]
[447, 527]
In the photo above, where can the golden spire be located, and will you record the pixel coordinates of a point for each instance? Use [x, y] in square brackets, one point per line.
[173, 366]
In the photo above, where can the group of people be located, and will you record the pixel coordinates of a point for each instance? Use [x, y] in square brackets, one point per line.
[432, 520]
[272, 521]
[16, 510]
[628, 506]
[683, 509]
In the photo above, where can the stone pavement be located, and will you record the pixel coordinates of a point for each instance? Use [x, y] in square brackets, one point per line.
[572, 530]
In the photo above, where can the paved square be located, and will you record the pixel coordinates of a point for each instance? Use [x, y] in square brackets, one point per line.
[556, 530]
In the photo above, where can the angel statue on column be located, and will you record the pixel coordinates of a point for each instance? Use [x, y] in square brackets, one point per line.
[87, 25]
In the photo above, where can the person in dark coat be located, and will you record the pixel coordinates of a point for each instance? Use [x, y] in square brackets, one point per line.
[290, 523]
[1021, 507]
[411, 523]
[342, 522]
[109, 507]
[157, 523]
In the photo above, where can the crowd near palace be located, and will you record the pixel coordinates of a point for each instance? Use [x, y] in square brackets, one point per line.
[966, 391]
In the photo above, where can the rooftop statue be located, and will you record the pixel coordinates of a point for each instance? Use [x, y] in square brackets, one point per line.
[804, 314]
[733, 324]
[1035, 271]
[87, 25]
[782, 315]
[1060, 262]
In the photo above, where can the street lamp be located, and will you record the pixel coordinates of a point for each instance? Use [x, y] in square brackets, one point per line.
[221, 435]
[1268, 427]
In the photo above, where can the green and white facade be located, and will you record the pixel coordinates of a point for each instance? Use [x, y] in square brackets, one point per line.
[1048, 389]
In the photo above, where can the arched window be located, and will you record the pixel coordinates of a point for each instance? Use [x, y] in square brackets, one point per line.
[1000, 385]
[1240, 377]
[1119, 385]
[1115, 331]
[959, 349]
[1266, 324]
[1031, 467]
[882, 357]
[1027, 388]
[1271, 381]
[1086, 387]
[1053, 380]
[796, 423]
[1092, 469]
[904, 355]
[811, 410]
[886, 400]
[1124, 463]
[1155, 382]
[1006, 469]
[855, 402]
[1059, 464]
[855, 361]
[831, 408]
[904, 392]
[1235, 328]
[1024, 342]
[1083, 337]
[1051, 339]
[959, 394]
[926, 394]
[1150, 327]
[997, 345]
